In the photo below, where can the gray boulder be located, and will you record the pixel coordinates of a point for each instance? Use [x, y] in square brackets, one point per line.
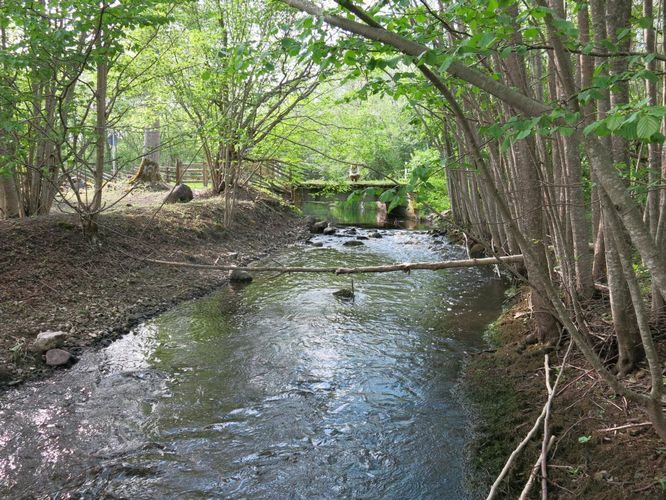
[318, 227]
[309, 221]
[329, 230]
[180, 194]
[59, 357]
[237, 276]
[48, 340]
[374, 234]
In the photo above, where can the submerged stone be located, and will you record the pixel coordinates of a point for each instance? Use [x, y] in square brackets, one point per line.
[238, 276]
[352, 243]
[344, 293]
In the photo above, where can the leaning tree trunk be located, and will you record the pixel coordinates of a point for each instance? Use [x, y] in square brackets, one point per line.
[530, 209]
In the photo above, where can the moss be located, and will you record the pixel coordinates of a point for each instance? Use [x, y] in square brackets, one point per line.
[497, 406]
[492, 334]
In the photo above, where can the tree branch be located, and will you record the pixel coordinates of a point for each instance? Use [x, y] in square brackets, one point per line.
[525, 104]
[404, 267]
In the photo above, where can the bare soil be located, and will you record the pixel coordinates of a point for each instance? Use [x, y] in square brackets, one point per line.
[589, 459]
[53, 278]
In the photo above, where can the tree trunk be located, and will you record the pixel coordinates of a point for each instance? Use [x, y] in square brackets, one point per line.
[9, 202]
[574, 190]
[597, 8]
[89, 216]
[658, 298]
[149, 168]
[152, 142]
[624, 318]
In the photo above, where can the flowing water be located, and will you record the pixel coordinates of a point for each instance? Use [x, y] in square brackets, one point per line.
[276, 389]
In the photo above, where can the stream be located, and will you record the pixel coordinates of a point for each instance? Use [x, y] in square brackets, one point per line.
[276, 389]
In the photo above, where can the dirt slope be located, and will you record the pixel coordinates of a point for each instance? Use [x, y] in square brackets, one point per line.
[51, 278]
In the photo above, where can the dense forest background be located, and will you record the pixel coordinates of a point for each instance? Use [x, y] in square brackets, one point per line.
[540, 122]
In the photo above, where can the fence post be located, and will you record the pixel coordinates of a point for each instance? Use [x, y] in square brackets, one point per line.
[205, 175]
[179, 171]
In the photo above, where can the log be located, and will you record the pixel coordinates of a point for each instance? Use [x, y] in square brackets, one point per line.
[404, 267]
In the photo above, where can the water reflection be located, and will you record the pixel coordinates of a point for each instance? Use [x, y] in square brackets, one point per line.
[361, 213]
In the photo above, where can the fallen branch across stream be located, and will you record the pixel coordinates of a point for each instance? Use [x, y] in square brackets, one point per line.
[404, 267]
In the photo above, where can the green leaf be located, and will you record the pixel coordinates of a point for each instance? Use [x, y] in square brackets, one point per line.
[506, 52]
[647, 126]
[523, 134]
[445, 65]
[493, 130]
[584, 439]
[350, 57]
[291, 46]
[645, 22]
[598, 128]
[432, 58]
[614, 122]
[531, 32]
[388, 196]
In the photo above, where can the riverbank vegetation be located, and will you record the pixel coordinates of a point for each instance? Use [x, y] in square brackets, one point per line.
[541, 122]
[558, 121]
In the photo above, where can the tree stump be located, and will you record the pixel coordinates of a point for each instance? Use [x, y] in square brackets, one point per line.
[148, 171]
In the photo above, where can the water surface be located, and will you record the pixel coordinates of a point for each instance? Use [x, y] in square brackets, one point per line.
[272, 390]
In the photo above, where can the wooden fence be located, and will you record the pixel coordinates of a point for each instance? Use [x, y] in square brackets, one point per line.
[263, 174]
[195, 172]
